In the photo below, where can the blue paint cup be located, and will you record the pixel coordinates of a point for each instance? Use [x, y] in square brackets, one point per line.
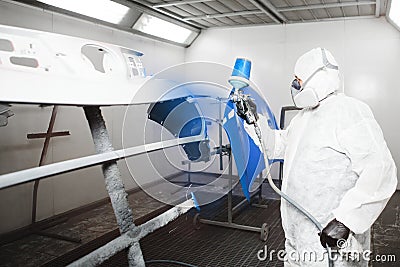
[242, 68]
[240, 74]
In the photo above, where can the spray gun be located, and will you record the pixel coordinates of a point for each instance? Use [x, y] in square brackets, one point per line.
[246, 108]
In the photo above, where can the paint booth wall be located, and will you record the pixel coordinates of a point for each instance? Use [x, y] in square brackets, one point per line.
[367, 51]
[68, 191]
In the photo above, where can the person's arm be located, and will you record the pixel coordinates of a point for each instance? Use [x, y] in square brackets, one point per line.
[371, 160]
[275, 141]
[280, 140]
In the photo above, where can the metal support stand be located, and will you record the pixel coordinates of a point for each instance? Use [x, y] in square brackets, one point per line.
[221, 159]
[114, 184]
[263, 230]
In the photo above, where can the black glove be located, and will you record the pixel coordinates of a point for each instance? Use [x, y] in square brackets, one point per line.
[247, 110]
[333, 232]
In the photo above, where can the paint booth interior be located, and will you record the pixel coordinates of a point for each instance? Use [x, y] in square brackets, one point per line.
[121, 142]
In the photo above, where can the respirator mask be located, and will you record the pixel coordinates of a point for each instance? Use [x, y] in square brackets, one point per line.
[306, 97]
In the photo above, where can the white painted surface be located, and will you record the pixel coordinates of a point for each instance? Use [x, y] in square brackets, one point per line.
[72, 190]
[368, 52]
[65, 70]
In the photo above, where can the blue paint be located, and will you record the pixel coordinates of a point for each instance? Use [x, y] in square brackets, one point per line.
[196, 204]
[187, 121]
[248, 156]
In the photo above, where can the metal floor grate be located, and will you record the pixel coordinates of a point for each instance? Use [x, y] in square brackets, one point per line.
[213, 245]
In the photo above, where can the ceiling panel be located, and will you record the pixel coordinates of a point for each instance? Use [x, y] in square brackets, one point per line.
[222, 13]
[204, 8]
[266, 18]
[178, 11]
[232, 4]
[206, 23]
[228, 21]
[248, 4]
[365, 10]
[218, 6]
[191, 10]
[351, 11]
[335, 12]
[321, 13]
[254, 19]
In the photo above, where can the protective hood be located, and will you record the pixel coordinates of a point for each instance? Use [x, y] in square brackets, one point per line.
[320, 75]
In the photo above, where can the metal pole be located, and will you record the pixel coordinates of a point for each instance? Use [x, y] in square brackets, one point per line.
[135, 256]
[112, 177]
[232, 225]
[49, 170]
[222, 15]
[230, 188]
[260, 188]
[132, 238]
[178, 3]
[274, 11]
[221, 160]
[267, 12]
[189, 173]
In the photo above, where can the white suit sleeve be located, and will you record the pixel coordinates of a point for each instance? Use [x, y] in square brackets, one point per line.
[371, 160]
[278, 147]
[274, 140]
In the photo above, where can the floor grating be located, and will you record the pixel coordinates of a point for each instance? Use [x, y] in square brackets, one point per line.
[213, 245]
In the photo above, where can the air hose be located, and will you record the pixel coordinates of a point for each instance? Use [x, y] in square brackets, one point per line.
[286, 197]
[170, 261]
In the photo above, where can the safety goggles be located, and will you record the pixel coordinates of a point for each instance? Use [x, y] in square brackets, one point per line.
[296, 83]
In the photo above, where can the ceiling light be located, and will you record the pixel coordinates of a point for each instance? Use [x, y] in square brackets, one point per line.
[105, 10]
[394, 13]
[164, 29]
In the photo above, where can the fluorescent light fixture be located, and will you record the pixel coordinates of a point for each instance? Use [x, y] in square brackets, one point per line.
[164, 29]
[105, 10]
[394, 12]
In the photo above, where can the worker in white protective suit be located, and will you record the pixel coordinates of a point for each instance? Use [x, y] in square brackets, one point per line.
[336, 165]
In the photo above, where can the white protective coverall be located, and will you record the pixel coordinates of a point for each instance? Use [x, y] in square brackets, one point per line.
[336, 165]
